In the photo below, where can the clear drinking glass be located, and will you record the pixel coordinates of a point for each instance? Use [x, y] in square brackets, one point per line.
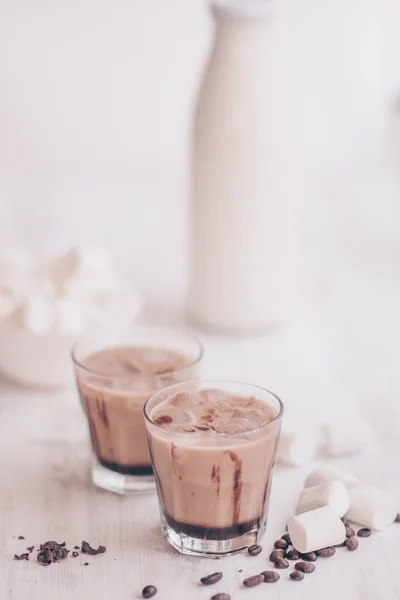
[115, 375]
[213, 488]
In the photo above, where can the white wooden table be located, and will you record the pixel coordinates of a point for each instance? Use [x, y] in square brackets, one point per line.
[324, 362]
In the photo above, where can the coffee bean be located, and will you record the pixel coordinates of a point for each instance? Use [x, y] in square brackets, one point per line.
[286, 537]
[364, 532]
[254, 550]
[149, 591]
[75, 554]
[352, 544]
[276, 554]
[326, 552]
[305, 567]
[253, 581]
[281, 545]
[296, 576]
[221, 597]
[292, 554]
[270, 576]
[309, 556]
[210, 579]
[87, 548]
[349, 531]
[281, 563]
[397, 519]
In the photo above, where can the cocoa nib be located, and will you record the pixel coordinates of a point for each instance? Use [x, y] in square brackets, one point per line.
[87, 548]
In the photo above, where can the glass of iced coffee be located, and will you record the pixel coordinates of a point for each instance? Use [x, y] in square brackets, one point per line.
[213, 447]
[115, 376]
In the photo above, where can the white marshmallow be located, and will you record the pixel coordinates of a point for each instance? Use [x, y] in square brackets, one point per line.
[69, 317]
[82, 269]
[316, 529]
[295, 450]
[38, 314]
[327, 473]
[332, 494]
[348, 437]
[371, 507]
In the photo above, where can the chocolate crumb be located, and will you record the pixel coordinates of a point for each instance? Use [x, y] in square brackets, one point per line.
[77, 547]
[21, 537]
[85, 564]
[87, 549]
[75, 554]
[240, 571]
[24, 556]
[30, 548]
[221, 597]
[52, 545]
[45, 558]
[397, 519]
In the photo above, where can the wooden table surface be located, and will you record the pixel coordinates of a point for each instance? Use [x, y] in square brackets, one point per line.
[326, 362]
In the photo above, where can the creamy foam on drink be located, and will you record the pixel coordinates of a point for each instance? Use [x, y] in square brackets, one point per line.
[114, 385]
[213, 456]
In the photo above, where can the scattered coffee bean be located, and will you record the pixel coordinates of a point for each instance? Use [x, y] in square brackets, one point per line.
[296, 576]
[364, 532]
[24, 556]
[21, 537]
[292, 554]
[352, 544]
[210, 579]
[276, 554]
[281, 545]
[326, 552]
[87, 548]
[75, 554]
[397, 519]
[221, 597]
[309, 556]
[30, 548]
[149, 591]
[85, 564]
[254, 550]
[349, 531]
[270, 576]
[305, 567]
[253, 581]
[281, 563]
[287, 539]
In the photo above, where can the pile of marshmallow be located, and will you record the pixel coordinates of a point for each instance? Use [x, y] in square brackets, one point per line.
[70, 293]
[336, 438]
[329, 494]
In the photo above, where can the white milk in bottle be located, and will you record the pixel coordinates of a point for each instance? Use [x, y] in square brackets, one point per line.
[240, 225]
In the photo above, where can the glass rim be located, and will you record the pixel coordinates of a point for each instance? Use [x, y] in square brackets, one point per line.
[97, 373]
[185, 434]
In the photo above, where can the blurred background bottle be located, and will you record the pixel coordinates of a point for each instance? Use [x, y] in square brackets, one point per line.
[240, 215]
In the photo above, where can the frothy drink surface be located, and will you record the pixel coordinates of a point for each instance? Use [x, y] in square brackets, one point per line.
[214, 480]
[114, 386]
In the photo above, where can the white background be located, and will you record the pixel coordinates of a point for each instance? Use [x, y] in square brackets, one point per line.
[95, 106]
